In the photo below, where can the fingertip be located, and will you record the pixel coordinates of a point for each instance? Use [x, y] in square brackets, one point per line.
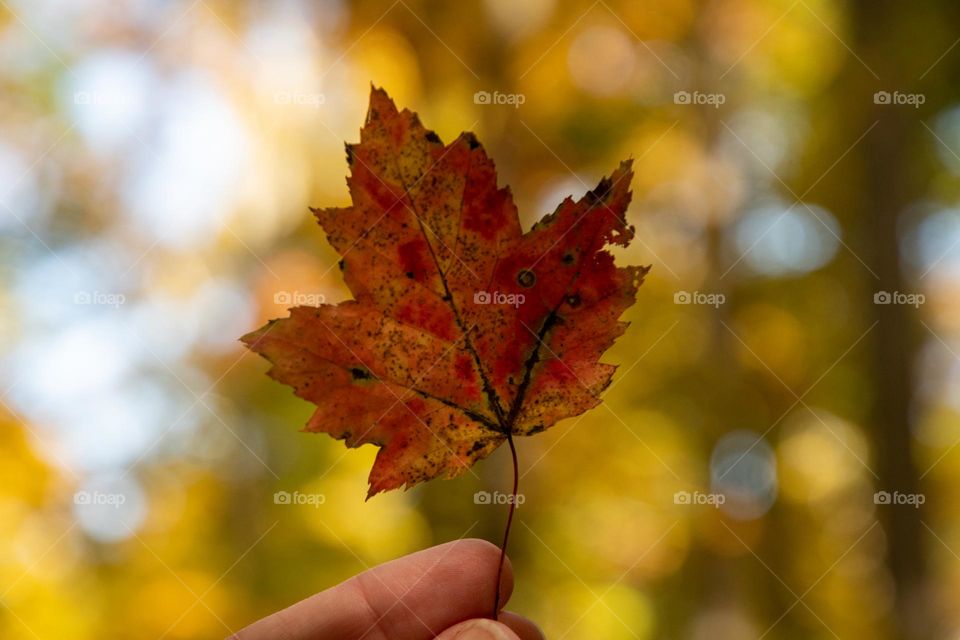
[523, 627]
[485, 557]
[480, 629]
[437, 587]
[483, 550]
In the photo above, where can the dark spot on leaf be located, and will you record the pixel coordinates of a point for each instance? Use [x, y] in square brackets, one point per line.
[568, 257]
[433, 137]
[349, 148]
[360, 374]
[471, 140]
[342, 264]
[526, 278]
[414, 259]
[573, 300]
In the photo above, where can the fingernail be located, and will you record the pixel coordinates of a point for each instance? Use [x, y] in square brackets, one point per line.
[482, 630]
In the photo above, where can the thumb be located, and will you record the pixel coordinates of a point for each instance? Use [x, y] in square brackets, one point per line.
[480, 629]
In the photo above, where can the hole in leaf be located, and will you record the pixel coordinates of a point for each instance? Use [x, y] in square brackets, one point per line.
[526, 278]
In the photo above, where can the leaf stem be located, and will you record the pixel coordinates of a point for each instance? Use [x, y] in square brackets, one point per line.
[506, 531]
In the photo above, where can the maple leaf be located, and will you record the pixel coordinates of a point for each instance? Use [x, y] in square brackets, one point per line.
[462, 329]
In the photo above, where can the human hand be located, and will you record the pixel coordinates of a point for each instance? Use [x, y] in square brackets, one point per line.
[443, 592]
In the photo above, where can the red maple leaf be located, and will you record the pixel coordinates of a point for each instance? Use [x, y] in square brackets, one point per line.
[464, 331]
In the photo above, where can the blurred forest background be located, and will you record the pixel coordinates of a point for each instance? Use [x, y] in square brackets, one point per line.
[795, 348]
